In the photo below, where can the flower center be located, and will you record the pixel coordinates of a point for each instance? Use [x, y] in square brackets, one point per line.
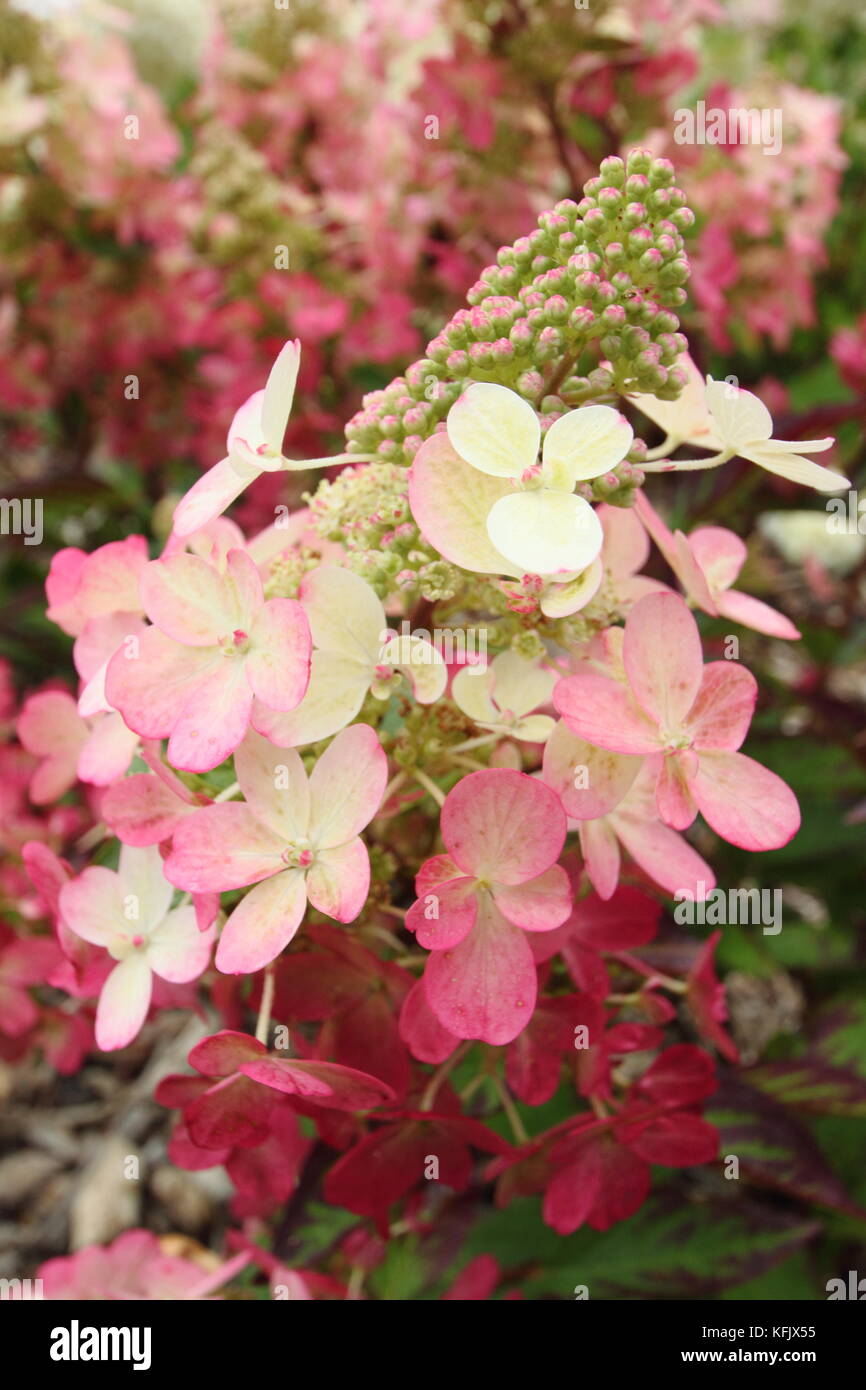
[298, 856]
[235, 645]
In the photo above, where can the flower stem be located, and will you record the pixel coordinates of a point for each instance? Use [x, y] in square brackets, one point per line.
[440, 1074]
[429, 786]
[264, 1019]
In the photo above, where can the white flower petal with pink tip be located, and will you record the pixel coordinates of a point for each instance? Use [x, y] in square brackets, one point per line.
[150, 683]
[92, 905]
[785, 461]
[177, 951]
[338, 685]
[123, 1003]
[451, 503]
[344, 613]
[589, 781]
[583, 444]
[188, 600]
[560, 600]
[495, 430]
[109, 750]
[503, 697]
[222, 847]
[346, 787]
[745, 426]
[275, 787]
[141, 876]
[212, 493]
[687, 419]
[424, 667]
[128, 913]
[262, 924]
[738, 415]
[279, 395]
[545, 532]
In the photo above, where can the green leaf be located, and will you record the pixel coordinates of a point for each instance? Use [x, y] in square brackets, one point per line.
[669, 1249]
[774, 1148]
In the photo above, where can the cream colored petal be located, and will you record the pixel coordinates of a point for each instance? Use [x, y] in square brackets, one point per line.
[561, 600]
[796, 469]
[494, 430]
[545, 532]
[584, 444]
[520, 685]
[738, 415]
[470, 691]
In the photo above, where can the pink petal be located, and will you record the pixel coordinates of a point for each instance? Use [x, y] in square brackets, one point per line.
[674, 801]
[722, 712]
[626, 545]
[339, 880]
[109, 750]
[503, 825]
[213, 722]
[213, 492]
[346, 786]
[189, 600]
[599, 847]
[539, 905]
[663, 658]
[570, 761]
[744, 802]
[141, 810]
[92, 906]
[222, 847]
[751, 612]
[123, 1003]
[177, 951]
[223, 1053]
[278, 664]
[150, 682]
[421, 1030]
[601, 711]
[262, 924]
[664, 856]
[322, 1083]
[486, 987]
[444, 913]
[720, 553]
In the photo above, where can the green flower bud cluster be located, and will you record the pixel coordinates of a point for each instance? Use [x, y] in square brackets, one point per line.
[366, 509]
[608, 271]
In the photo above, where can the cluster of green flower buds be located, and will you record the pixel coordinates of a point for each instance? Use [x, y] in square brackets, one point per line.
[582, 310]
[366, 509]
